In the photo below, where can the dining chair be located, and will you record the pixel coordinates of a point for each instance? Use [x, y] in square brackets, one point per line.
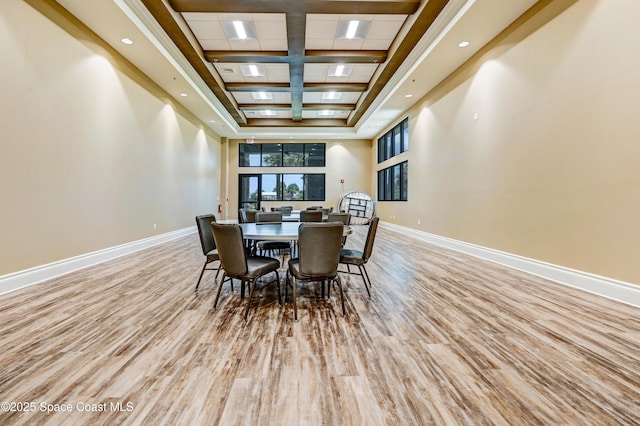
[271, 246]
[250, 215]
[339, 217]
[208, 244]
[359, 258]
[311, 216]
[236, 264]
[318, 256]
[345, 218]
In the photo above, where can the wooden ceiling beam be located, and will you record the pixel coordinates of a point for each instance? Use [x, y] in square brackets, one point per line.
[406, 7]
[284, 122]
[246, 56]
[257, 87]
[338, 87]
[309, 107]
[336, 107]
[345, 56]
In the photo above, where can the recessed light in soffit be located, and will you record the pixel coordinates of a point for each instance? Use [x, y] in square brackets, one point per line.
[253, 70]
[331, 95]
[261, 96]
[352, 29]
[239, 30]
[340, 70]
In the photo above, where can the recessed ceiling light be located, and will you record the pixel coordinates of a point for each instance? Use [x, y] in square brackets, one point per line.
[325, 113]
[253, 70]
[268, 112]
[340, 70]
[408, 95]
[463, 43]
[212, 121]
[127, 41]
[239, 30]
[331, 95]
[183, 94]
[352, 29]
[239, 27]
[261, 96]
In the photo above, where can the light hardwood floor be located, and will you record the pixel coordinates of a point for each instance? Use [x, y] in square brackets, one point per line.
[445, 339]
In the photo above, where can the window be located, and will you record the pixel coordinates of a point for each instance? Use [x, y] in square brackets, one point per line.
[392, 182]
[255, 188]
[249, 155]
[282, 155]
[394, 142]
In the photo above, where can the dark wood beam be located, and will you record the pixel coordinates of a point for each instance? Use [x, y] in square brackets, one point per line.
[406, 7]
[242, 56]
[346, 56]
[257, 87]
[337, 107]
[338, 87]
[279, 107]
[308, 107]
[281, 122]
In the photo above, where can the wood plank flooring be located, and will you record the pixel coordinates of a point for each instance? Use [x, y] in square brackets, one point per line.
[445, 339]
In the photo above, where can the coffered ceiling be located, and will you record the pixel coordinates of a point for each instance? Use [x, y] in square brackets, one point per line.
[303, 68]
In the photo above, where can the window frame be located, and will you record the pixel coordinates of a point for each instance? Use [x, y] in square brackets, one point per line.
[393, 182]
[311, 152]
[394, 142]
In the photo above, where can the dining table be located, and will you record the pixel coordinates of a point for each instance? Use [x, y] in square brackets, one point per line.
[285, 231]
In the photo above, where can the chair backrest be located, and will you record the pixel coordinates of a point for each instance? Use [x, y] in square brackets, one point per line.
[339, 217]
[325, 211]
[207, 241]
[319, 248]
[250, 215]
[371, 236]
[268, 217]
[231, 250]
[241, 216]
[311, 216]
[286, 210]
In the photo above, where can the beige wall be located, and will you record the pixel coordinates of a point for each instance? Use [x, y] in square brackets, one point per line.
[345, 159]
[550, 169]
[92, 154]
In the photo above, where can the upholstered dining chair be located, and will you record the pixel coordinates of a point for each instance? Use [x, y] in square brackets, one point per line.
[271, 247]
[359, 258]
[208, 244]
[236, 264]
[319, 253]
[340, 217]
[311, 216]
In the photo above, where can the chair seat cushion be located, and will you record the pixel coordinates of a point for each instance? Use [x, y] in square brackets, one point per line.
[260, 265]
[294, 269]
[351, 256]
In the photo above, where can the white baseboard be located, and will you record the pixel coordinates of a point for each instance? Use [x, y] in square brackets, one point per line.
[603, 286]
[20, 279]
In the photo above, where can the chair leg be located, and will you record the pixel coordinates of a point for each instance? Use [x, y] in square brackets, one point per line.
[344, 313]
[253, 287]
[201, 273]
[295, 306]
[365, 278]
[278, 284]
[215, 303]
